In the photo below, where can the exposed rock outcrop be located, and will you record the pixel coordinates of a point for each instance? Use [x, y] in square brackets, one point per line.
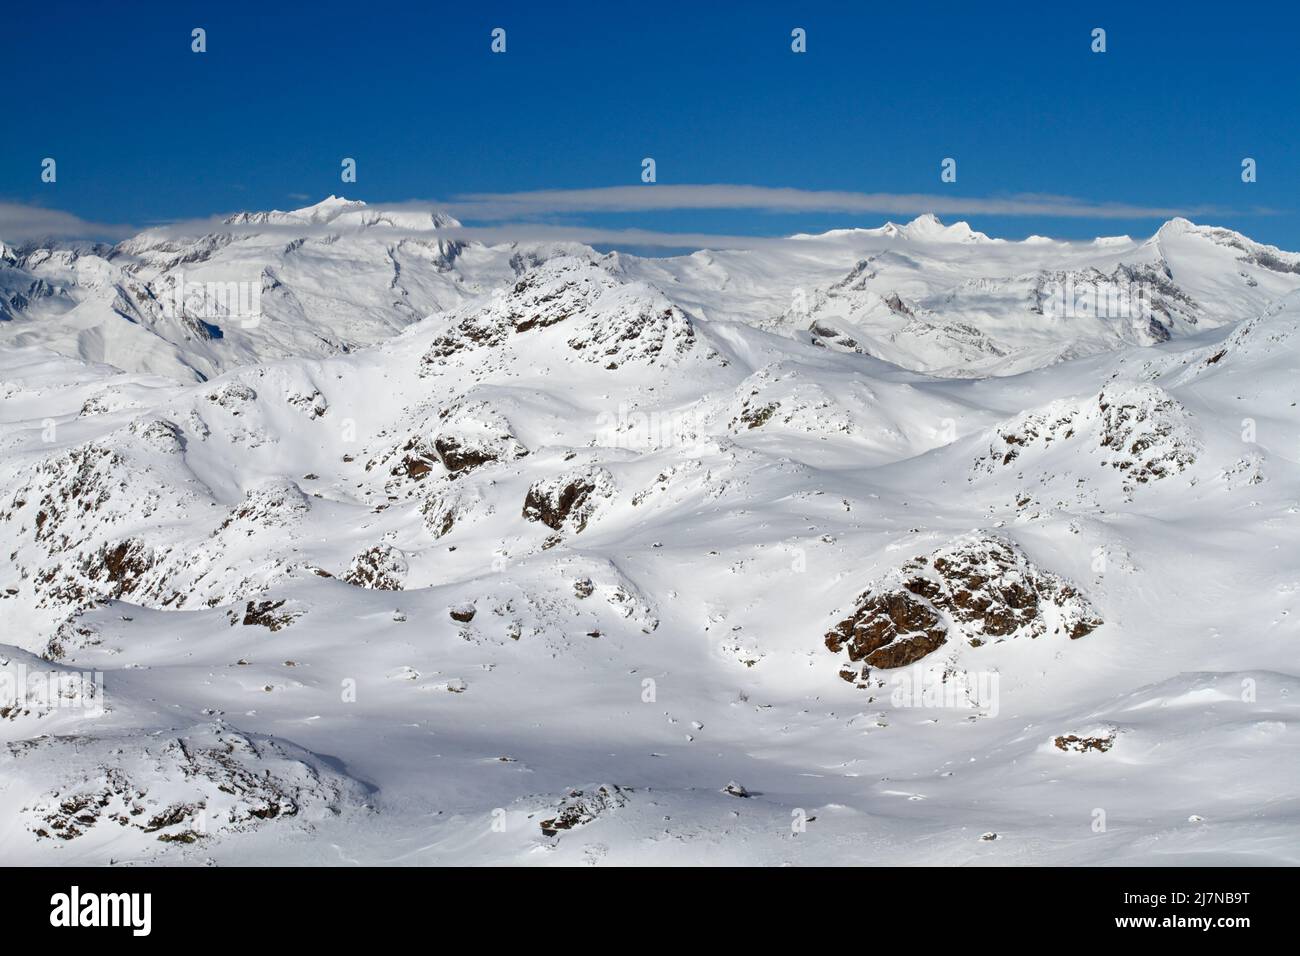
[580, 807]
[380, 568]
[208, 780]
[569, 500]
[977, 589]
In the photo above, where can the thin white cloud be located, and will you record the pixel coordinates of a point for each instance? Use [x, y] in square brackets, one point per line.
[22, 223]
[514, 217]
[661, 197]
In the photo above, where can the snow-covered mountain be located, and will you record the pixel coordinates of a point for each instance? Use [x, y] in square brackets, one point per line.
[951, 301]
[879, 546]
[340, 275]
[314, 282]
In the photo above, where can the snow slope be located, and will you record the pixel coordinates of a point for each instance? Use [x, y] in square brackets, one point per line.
[617, 560]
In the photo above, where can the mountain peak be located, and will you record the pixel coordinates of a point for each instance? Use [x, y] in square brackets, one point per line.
[927, 220]
[328, 208]
[1177, 226]
[931, 227]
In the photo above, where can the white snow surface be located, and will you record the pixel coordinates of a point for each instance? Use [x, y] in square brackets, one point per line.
[529, 555]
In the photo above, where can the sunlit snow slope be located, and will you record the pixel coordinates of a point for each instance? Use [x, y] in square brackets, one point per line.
[847, 549]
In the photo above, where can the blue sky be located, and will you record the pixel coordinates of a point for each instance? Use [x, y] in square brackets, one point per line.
[145, 131]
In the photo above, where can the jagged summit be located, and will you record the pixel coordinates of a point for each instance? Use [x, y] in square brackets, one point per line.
[331, 203]
[1177, 226]
[341, 212]
[326, 210]
[925, 227]
[930, 227]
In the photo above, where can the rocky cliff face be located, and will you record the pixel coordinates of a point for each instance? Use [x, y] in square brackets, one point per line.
[980, 588]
